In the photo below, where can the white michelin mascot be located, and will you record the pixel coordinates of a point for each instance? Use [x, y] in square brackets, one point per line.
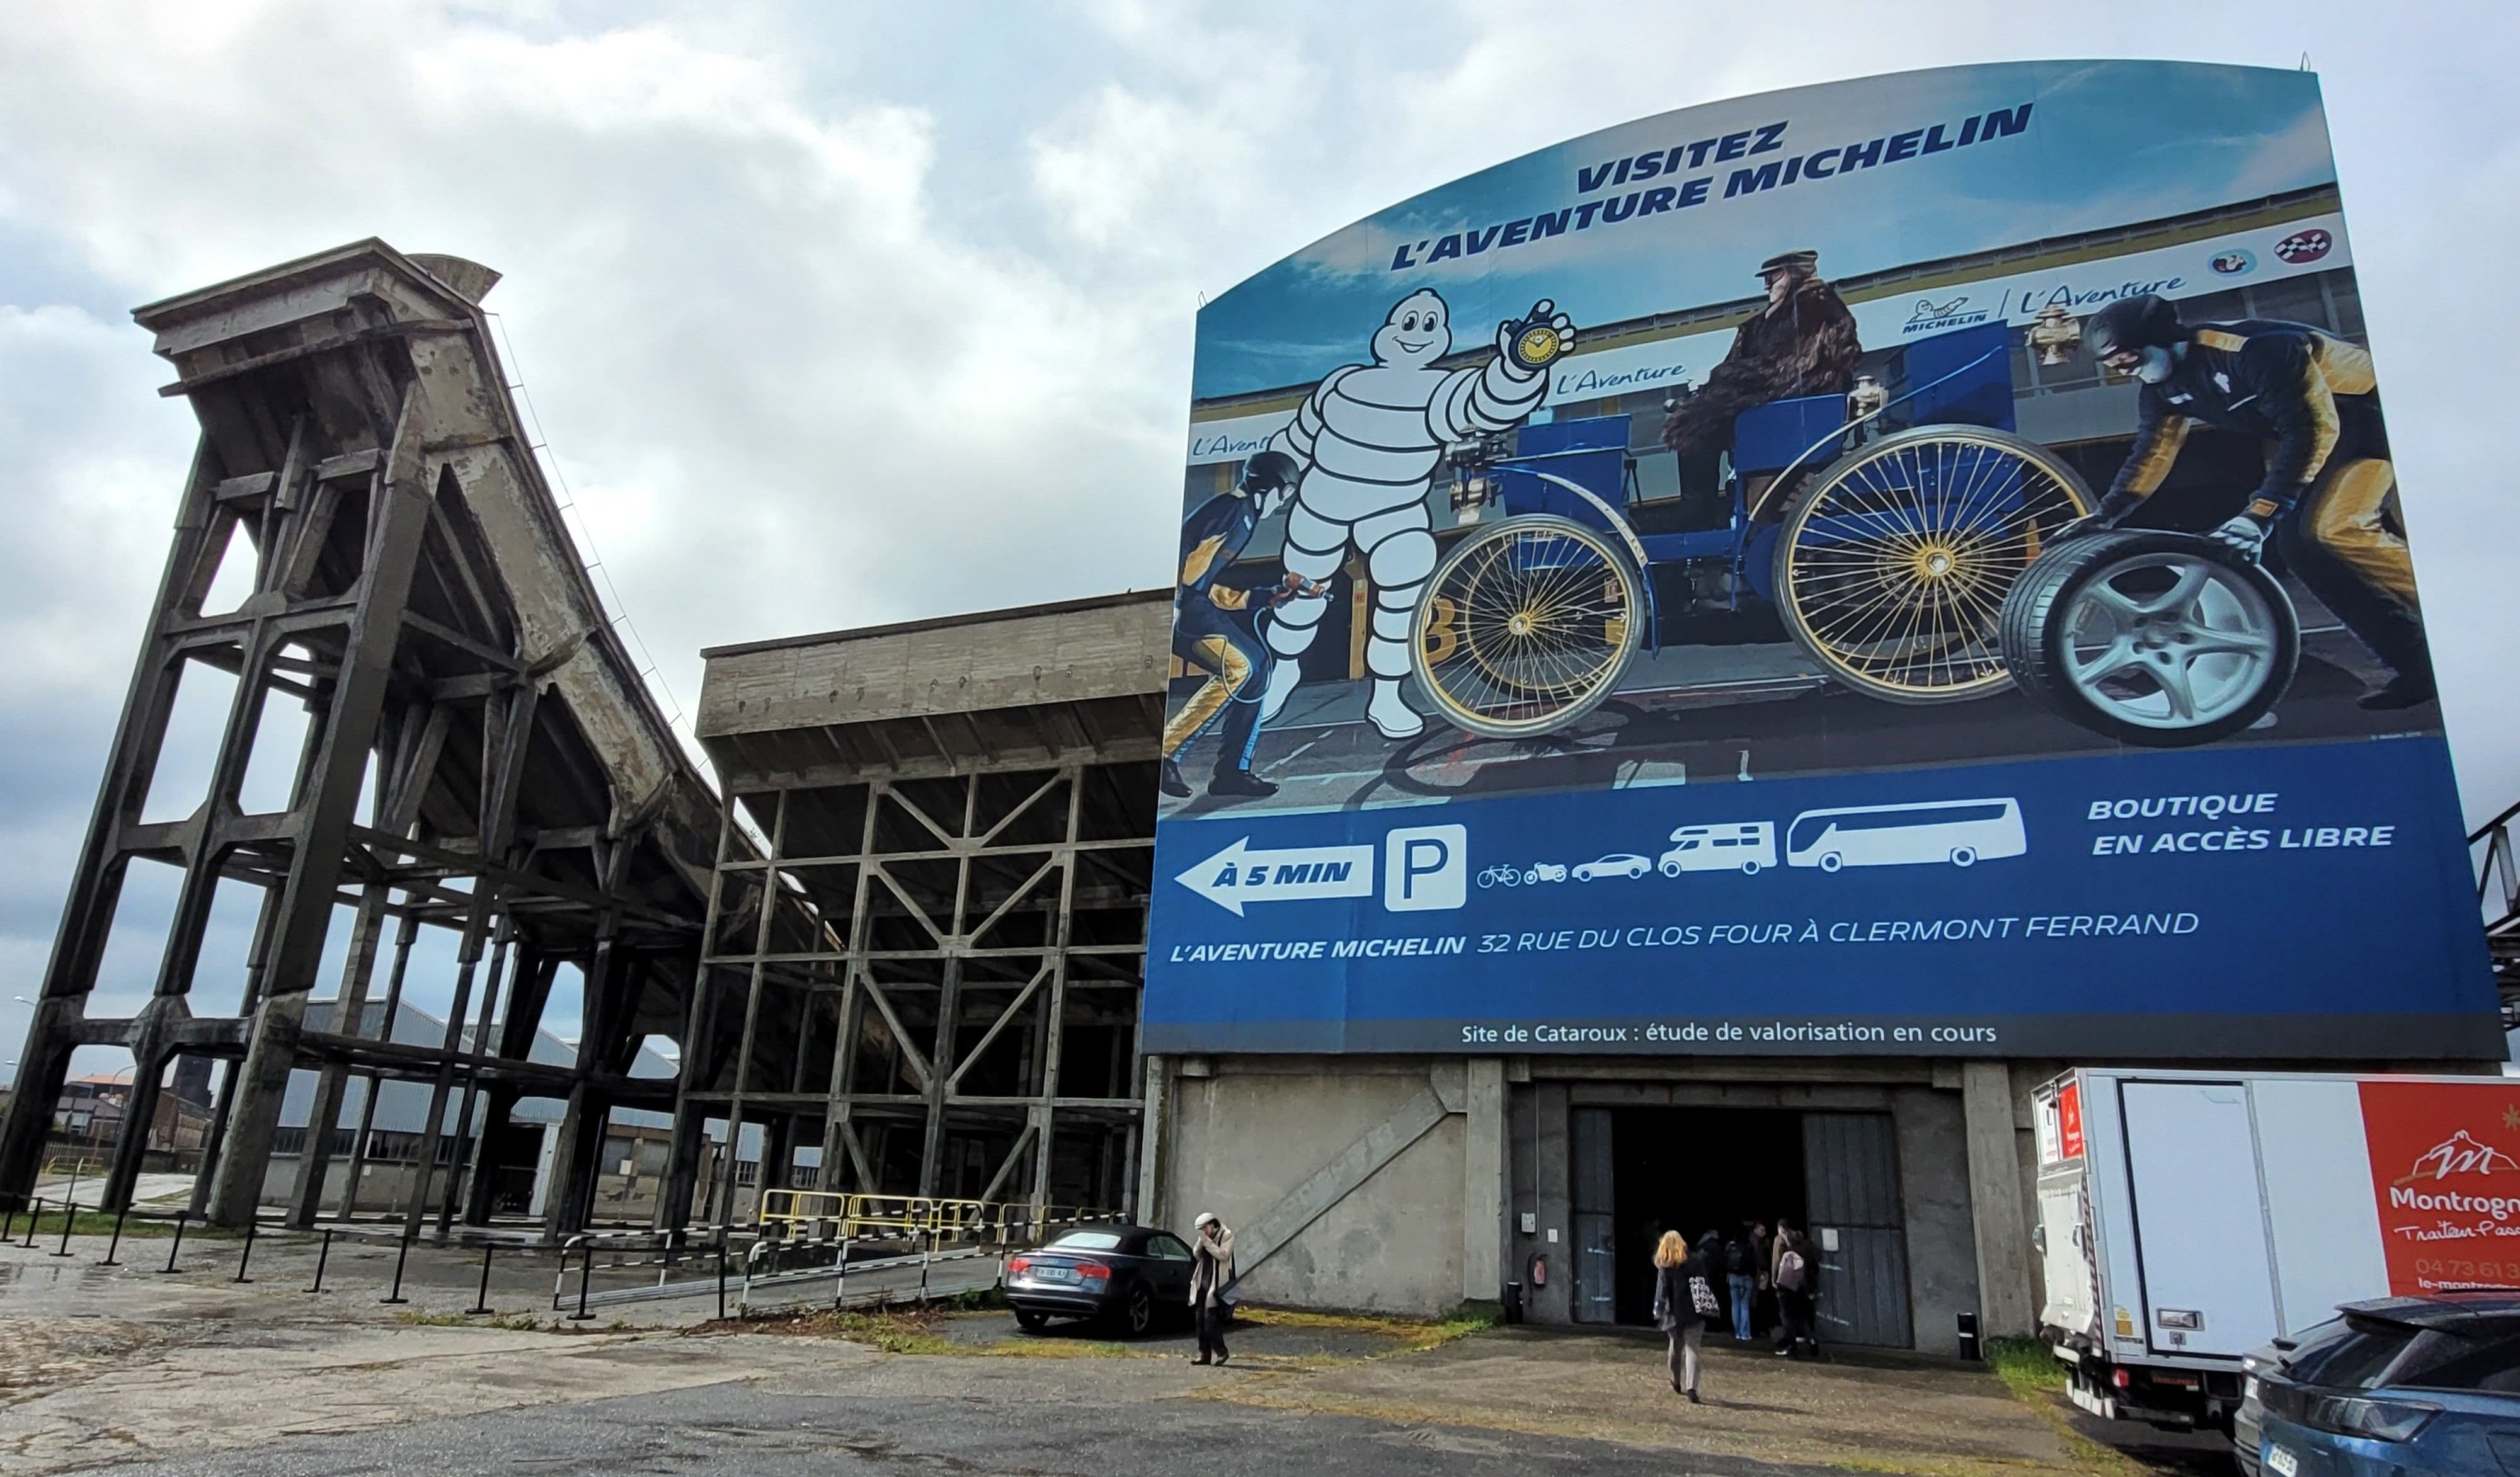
[1369, 440]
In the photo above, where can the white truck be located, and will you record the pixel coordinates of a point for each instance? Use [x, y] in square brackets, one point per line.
[2187, 1218]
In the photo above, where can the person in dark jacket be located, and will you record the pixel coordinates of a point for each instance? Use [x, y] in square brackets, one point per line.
[2313, 400]
[1802, 342]
[1677, 1278]
[1796, 1279]
[1211, 1253]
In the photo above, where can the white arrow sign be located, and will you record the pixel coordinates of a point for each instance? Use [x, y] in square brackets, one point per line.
[1239, 875]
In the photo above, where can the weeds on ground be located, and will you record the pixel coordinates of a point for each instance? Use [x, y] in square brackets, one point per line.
[2036, 1376]
[513, 1323]
[98, 1224]
[1412, 1336]
[894, 1330]
[2024, 1364]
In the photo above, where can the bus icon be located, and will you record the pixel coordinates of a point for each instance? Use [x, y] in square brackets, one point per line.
[1961, 832]
[1743, 847]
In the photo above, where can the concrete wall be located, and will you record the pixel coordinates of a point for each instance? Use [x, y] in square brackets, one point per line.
[1286, 1150]
[1245, 1133]
[1934, 1194]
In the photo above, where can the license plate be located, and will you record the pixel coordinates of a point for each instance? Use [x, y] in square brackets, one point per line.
[2282, 1461]
[1054, 1274]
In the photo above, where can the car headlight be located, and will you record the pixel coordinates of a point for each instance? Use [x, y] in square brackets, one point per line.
[2370, 1419]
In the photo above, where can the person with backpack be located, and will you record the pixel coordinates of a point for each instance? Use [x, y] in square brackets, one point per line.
[1741, 1285]
[1795, 1278]
[1683, 1300]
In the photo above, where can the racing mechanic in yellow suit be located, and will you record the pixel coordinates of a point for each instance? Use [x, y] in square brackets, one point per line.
[2313, 399]
[1212, 629]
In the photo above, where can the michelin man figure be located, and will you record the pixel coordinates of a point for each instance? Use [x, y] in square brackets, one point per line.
[1369, 439]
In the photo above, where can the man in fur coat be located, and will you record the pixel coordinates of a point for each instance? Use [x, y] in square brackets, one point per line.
[1803, 342]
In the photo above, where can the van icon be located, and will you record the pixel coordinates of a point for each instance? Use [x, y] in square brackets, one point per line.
[1961, 832]
[1743, 846]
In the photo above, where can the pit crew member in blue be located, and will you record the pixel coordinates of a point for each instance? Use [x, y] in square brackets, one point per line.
[1212, 630]
[2330, 492]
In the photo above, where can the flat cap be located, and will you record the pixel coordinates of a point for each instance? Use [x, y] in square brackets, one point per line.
[1791, 261]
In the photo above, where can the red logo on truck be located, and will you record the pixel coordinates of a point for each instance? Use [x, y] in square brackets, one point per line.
[2069, 1121]
[2449, 1189]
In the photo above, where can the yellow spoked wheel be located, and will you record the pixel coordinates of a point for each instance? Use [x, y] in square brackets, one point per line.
[1526, 625]
[1893, 566]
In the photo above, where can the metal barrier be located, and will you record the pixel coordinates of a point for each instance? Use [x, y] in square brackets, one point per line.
[791, 1214]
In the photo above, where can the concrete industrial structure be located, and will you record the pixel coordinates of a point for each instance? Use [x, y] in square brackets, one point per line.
[479, 753]
[911, 960]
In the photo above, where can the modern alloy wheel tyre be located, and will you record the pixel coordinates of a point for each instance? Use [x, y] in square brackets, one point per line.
[1030, 1321]
[1138, 1314]
[2164, 639]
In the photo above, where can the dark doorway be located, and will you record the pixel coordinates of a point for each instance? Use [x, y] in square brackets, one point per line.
[1695, 1170]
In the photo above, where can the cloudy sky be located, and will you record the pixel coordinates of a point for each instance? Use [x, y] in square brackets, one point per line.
[841, 313]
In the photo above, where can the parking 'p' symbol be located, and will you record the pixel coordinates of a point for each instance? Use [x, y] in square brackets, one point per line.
[1426, 869]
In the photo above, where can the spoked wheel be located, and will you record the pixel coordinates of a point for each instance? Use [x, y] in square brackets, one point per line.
[1526, 626]
[1892, 567]
[2165, 639]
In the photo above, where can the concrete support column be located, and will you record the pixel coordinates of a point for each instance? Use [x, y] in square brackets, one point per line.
[1483, 1181]
[2005, 1307]
[1156, 1141]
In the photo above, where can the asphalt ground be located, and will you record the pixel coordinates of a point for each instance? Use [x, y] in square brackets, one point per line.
[123, 1369]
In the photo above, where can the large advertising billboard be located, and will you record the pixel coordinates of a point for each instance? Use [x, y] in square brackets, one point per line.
[1905, 566]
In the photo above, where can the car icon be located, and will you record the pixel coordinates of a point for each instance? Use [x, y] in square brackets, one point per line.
[1546, 872]
[1618, 864]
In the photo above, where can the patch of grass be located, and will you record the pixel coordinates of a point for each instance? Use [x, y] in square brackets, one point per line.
[2036, 1376]
[1414, 1335]
[97, 1223]
[2024, 1364]
[513, 1323]
[892, 1330]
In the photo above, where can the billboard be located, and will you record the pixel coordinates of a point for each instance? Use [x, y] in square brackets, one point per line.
[1904, 566]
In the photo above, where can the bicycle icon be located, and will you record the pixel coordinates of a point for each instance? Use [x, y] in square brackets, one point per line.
[1500, 876]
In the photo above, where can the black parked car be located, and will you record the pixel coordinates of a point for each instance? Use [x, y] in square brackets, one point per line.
[1130, 1276]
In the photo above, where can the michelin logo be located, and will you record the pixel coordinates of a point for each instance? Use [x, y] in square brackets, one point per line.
[1424, 869]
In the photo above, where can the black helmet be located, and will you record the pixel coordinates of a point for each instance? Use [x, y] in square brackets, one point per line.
[2145, 322]
[1266, 472]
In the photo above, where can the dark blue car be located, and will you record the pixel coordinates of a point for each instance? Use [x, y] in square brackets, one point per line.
[2393, 1388]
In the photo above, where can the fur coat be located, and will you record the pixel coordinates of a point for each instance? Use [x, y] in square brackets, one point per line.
[1804, 345]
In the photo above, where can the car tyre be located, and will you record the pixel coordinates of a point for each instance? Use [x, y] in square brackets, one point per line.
[2046, 625]
[1030, 1321]
[1138, 1311]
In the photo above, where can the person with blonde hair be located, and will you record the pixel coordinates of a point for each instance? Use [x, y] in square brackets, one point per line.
[1683, 1300]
